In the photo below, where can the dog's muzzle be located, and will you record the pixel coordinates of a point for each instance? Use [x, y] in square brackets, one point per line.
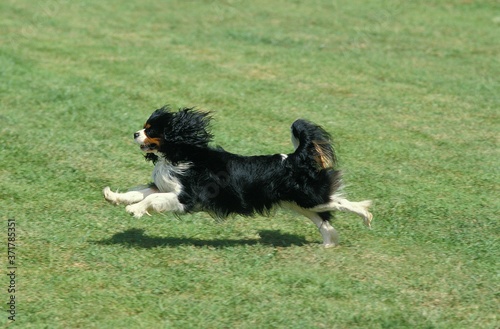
[145, 143]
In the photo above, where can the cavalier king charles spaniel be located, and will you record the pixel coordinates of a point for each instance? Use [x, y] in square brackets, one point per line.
[189, 175]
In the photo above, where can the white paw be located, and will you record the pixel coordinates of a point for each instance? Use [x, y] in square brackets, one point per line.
[136, 210]
[110, 196]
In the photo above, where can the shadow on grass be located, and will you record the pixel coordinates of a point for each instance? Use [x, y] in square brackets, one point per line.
[136, 238]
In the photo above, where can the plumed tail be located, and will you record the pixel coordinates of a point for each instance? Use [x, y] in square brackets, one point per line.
[314, 143]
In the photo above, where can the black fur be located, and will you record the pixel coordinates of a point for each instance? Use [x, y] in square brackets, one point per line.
[224, 183]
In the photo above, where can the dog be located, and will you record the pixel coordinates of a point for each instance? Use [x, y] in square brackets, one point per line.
[190, 176]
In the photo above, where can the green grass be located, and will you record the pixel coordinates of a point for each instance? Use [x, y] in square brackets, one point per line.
[409, 90]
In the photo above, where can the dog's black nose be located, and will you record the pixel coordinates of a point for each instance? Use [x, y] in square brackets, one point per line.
[136, 135]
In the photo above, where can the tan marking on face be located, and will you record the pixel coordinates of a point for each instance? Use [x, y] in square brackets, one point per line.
[149, 140]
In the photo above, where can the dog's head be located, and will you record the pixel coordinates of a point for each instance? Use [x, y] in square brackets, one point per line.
[151, 137]
[165, 130]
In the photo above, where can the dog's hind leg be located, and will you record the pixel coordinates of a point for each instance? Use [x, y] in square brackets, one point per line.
[329, 234]
[339, 203]
[135, 195]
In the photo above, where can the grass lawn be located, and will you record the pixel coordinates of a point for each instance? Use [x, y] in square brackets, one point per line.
[410, 90]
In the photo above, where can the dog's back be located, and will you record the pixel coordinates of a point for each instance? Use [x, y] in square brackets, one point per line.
[223, 183]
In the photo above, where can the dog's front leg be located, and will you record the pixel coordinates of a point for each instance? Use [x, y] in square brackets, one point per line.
[135, 195]
[158, 202]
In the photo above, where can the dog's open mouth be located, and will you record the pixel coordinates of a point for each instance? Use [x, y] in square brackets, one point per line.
[148, 147]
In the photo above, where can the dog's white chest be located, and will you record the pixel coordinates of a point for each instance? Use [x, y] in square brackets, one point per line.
[165, 176]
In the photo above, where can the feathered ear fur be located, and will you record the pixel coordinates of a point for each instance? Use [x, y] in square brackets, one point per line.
[160, 117]
[190, 127]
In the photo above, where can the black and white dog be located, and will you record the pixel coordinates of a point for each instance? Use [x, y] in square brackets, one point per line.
[190, 176]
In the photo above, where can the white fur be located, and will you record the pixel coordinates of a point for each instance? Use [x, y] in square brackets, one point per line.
[164, 175]
[339, 203]
[128, 197]
[162, 197]
[141, 137]
[329, 234]
[158, 202]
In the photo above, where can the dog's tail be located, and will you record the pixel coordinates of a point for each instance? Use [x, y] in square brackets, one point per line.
[313, 143]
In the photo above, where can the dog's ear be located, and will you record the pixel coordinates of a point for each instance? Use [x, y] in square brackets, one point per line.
[161, 116]
[189, 126]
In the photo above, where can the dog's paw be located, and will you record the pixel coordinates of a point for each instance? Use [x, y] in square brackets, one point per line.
[110, 196]
[136, 210]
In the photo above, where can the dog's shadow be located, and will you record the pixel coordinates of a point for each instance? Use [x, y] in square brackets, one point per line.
[136, 238]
